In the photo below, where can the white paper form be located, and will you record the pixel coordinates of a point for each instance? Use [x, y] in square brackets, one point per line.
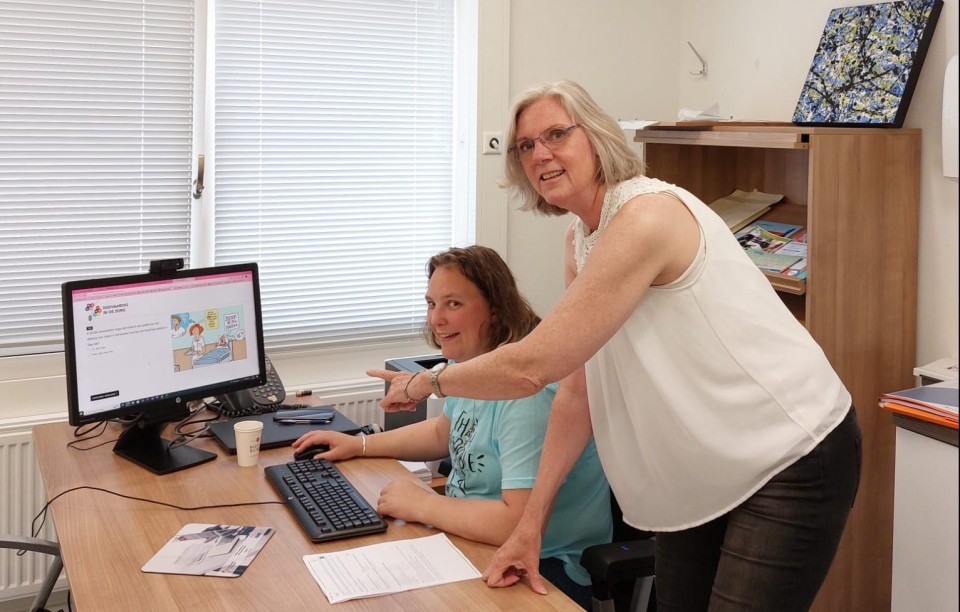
[390, 567]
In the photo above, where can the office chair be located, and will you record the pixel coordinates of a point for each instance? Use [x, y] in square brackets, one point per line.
[53, 573]
[622, 571]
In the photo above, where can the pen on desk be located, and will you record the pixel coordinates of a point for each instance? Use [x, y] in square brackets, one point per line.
[304, 392]
[305, 421]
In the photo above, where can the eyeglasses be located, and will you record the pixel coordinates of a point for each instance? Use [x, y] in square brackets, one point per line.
[551, 139]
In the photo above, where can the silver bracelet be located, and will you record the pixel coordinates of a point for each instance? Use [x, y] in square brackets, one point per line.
[363, 440]
[406, 395]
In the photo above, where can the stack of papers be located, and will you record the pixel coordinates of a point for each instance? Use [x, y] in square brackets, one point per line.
[935, 403]
[419, 468]
[391, 567]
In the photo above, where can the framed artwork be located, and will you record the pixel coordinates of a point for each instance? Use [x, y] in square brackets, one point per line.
[867, 64]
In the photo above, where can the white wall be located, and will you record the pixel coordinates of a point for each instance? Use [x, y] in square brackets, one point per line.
[626, 54]
[633, 57]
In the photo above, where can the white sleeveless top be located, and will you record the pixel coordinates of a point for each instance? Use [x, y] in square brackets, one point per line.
[710, 388]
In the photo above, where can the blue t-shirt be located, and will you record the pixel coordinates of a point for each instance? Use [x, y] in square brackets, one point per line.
[495, 445]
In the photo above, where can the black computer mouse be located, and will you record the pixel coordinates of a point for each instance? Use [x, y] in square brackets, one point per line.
[310, 451]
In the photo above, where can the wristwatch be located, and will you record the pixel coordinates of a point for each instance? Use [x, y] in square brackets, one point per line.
[435, 378]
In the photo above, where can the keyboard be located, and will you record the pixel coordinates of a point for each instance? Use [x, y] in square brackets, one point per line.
[326, 505]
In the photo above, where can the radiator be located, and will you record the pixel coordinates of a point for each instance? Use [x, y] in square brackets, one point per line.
[21, 486]
[358, 401]
[21, 498]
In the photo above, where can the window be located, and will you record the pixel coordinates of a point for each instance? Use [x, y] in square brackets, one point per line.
[331, 143]
[334, 160]
[96, 129]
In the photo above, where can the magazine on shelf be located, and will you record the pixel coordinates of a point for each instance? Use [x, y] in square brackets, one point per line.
[798, 270]
[755, 237]
[209, 550]
[800, 235]
[794, 248]
[771, 262]
[741, 207]
[787, 230]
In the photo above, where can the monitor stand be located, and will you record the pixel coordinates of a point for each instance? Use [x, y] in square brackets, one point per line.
[142, 444]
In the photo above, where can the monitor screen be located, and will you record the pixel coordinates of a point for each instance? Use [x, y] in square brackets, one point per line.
[140, 347]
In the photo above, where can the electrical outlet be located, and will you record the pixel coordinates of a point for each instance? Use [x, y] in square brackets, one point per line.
[492, 143]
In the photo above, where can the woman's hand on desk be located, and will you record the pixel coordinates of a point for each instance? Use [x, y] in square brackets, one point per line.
[404, 499]
[518, 557]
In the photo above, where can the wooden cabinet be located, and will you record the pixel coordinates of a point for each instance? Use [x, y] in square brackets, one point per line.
[857, 192]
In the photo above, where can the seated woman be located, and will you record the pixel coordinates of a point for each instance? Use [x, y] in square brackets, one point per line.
[473, 306]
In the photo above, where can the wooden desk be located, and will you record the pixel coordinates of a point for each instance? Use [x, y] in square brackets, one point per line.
[105, 539]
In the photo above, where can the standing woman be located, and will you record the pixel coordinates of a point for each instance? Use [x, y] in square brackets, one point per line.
[746, 466]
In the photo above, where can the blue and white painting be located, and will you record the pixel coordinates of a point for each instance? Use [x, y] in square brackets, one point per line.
[867, 64]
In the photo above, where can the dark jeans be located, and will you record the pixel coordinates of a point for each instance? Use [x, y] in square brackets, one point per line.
[773, 551]
[551, 569]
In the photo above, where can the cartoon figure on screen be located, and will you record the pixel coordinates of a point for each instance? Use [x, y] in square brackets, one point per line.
[223, 345]
[196, 332]
[176, 330]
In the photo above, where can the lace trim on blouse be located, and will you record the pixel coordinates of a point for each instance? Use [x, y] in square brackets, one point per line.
[613, 201]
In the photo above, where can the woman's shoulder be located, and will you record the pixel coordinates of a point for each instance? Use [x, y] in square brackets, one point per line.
[636, 189]
[641, 185]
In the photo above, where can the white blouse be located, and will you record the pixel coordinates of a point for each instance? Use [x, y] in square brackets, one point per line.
[711, 386]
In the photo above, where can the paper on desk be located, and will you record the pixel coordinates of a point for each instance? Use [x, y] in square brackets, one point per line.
[420, 468]
[391, 567]
[711, 114]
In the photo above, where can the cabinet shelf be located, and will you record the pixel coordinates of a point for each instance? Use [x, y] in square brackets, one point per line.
[771, 138]
[787, 284]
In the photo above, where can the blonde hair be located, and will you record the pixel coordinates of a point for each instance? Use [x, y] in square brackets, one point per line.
[616, 161]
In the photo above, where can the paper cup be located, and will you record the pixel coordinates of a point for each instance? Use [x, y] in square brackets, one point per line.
[248, 442]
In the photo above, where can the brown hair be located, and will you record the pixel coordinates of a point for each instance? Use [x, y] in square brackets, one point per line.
[616, 161]
[513, 317]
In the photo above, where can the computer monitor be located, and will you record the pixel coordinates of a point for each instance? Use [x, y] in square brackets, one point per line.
[138, 348]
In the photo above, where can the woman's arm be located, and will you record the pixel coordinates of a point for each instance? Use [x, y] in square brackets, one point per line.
[567, 435]
[568, 432]
[482, 520]
[651, 241]
[424, 441]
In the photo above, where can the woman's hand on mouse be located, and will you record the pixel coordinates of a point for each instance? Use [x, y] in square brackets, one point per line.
[341, 445]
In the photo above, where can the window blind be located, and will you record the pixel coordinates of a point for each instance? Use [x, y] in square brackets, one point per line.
[334, 138]
[96, 125]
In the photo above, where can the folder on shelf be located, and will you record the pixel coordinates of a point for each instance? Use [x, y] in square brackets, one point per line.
[922, 415]
[741, 207]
